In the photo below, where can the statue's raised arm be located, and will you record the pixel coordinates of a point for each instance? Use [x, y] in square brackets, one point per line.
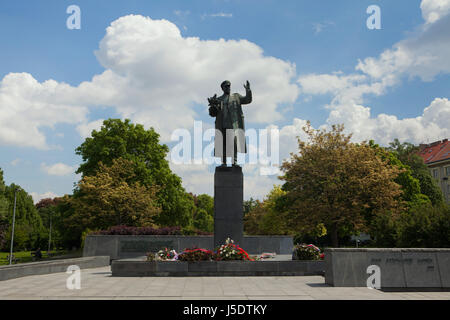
[248, 94]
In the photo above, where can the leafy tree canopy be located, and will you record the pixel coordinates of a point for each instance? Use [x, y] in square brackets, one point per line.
[407, 154]
[122, 139]
[267, 218]
[249, 205]
[338, 183]
[410, 185]
[107, 199]
[28, 221]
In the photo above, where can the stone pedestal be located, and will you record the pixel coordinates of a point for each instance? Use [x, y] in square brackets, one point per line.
[228, 205]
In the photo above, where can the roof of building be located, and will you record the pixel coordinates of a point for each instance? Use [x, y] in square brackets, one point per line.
[436, 151]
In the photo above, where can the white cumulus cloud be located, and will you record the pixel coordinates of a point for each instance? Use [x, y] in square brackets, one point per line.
[58, 169]
[153, 75]
[433, 10]
[423, 55]
[39, 196]
[85, 129]
[26, 106]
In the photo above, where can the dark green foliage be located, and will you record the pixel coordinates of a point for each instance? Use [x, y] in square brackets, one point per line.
[69, 231]
[118, 138]
[407, 154]
[205, 202]
[204, 221]
[249, 205]
[410, 185]
[428, 185]
[49, 211]
[384, 230]
[204, 212]
[139, 231]
[29, 232]
[4, 205]
[425, 226]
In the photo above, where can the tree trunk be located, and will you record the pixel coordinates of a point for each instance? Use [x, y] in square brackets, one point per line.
[334, 236]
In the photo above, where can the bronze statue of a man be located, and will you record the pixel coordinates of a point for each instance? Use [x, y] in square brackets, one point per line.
[230, 134]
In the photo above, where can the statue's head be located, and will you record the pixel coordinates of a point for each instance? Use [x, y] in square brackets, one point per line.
[226, 86]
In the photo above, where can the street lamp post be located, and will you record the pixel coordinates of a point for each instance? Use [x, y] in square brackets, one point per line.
[50, 234]
[14, 221]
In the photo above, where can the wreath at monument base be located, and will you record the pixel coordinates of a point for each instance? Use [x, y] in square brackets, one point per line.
[227, 251]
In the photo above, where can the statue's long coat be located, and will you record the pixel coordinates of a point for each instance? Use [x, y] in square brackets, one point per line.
[230, 116]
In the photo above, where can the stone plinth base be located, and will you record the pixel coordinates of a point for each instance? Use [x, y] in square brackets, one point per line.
[141, 268]
[50, 266]
[228, 205]
[399, 268]
[124, 246]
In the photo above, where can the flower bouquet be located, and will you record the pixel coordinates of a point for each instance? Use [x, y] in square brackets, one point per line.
[167, 254]
[230, 251]
[306, 252]
[195, 254]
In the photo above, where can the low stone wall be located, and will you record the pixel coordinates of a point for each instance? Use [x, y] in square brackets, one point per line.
[399, 268]
[134, 268]
[53, 266]
[124, 246]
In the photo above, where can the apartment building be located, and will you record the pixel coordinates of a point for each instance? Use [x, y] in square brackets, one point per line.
[436, 156]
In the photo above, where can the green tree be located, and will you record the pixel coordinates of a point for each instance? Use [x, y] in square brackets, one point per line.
[249, 205]
[410, 186]
[204, 212]
[253, 218]
[48, 210]
[338, 183]
[274, 221]
[407, 153]
[267, 218]
[4, 205]
[69, 230]
[118, 138]
[205, 202]
[203, 221]
[425, 226]
[113, 197]
[21, 238]
[27, 221]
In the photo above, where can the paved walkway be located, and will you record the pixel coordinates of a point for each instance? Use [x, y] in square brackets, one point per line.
[98, 283]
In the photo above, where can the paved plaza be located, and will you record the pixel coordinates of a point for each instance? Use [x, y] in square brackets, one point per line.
[97, 283]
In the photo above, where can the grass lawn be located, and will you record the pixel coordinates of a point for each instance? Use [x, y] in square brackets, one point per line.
[25, 256]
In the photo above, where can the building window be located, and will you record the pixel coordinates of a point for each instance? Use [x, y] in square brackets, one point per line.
[436, 173]
[447, 171]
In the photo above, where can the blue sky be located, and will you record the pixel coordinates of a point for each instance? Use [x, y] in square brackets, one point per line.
[314, 61]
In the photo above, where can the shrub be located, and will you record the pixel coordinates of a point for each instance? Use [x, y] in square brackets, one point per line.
[306, 252]
[142, 231]
[135, 231]
[192, 231]
[425, 226]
